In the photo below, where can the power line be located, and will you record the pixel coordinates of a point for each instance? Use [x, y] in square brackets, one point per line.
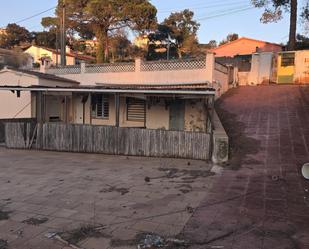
[35, 15]
[226, 10]
[225, 14]
[204, 6]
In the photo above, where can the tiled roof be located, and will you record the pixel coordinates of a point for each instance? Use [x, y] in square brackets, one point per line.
[183, 86]
[245, 38]
[45, 76]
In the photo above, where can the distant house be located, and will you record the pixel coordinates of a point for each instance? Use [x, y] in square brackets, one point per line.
[141, 41]
[3, 31]
[90, 45]
[245, 46]
[40, 53]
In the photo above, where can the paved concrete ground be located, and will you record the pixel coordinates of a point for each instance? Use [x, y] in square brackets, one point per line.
[65, 191]
[262, 202]
[259, 201]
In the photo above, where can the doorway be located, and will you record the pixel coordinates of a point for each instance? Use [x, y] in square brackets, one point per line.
[177, 115]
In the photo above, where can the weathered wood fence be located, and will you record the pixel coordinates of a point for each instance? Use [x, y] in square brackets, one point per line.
[109, 140]
[24, 121]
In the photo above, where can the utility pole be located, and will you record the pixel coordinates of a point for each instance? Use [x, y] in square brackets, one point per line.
[63, 35]
[168, 46]
[57, 45]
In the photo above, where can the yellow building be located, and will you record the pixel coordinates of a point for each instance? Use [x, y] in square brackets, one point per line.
[2, 31]
[73, 58]
[141, 41]
[293, 67]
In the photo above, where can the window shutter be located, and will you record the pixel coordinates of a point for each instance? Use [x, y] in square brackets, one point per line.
[136, 110]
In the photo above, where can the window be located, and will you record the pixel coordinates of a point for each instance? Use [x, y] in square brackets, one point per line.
[136, 110]
[100, 106]
[288, 59]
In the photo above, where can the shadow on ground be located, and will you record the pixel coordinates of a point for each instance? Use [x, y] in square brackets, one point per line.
[240, 144]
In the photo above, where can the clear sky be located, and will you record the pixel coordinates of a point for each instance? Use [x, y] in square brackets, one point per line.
[217, 17]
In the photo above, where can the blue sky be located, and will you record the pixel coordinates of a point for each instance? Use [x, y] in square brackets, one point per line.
[216, 17]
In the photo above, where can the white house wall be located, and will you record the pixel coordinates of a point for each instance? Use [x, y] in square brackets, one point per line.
[13, 107]
[10, 105]
[301, 75]
[158, 116]
[261, 68]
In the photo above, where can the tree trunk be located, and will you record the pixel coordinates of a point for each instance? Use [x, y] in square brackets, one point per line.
[293, 25]
[102, 50]
[179, 53]
[106, 49]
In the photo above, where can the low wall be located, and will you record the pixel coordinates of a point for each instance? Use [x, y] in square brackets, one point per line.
[141, 72]
[220, 143]
[110, 140]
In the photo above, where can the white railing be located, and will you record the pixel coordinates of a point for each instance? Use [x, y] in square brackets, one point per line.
[139, 65]
[173, 65]
[110, 68]
[64, 70]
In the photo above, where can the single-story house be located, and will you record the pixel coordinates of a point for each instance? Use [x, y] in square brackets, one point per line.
[245, 46]
[113, 108]
[50, 98]
[41, 53]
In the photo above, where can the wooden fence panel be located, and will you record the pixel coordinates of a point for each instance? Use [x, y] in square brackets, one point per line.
[110, 140]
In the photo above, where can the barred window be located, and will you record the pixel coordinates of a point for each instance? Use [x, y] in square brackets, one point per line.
[136, 110]
[100, 106]
[288, 59]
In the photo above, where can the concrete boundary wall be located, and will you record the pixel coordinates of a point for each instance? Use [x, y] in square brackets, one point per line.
[140, 72]
[220, 143]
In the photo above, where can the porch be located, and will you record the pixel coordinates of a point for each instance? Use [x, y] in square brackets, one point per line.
[158, 121]
[175, 107]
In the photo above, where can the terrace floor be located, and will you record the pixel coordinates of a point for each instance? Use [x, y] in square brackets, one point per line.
[47, 192]
[260, 201]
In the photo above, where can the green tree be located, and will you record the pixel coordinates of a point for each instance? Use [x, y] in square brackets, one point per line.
[120, 47]
[14, 36]
[160, 45]
[45, 39]
[101, 17]
[50, 23]
[183, 29]
[212, 44]
[302, 42]
[229, 38]
[274, 12]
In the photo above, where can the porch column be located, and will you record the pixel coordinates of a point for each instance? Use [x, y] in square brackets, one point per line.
[117, 104]
[65, 109]
[40, 107]
[210, 67]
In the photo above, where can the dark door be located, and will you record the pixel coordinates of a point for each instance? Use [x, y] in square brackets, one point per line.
[177, 115]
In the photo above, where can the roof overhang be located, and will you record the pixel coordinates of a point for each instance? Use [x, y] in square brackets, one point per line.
[200, 92]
